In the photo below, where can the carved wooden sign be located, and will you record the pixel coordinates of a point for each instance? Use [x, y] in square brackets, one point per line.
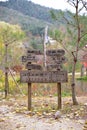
[58, 60]
[28, 58]
[35, 73]
[37, 76]
[43, 76]
[59, 52]
[36, 52]
[33, 66]
[54, 66]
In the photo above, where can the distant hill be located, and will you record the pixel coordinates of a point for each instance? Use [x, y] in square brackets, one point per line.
[31, 17]
[28, 24]
[29, 8]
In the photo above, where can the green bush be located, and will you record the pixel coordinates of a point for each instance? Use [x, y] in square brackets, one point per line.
[82, 78]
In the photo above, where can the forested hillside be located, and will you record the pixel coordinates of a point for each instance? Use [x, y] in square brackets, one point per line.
[28, 24]
[28, 8]
[32, 17]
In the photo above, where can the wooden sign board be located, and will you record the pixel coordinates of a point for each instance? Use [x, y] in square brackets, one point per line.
[59, 52]
[58, 60]
[43, 76]
[28, 58]
[37, 52]
[55, 66]
[33, 66]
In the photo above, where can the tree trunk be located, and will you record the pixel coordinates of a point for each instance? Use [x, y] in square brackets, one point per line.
[6, 82]
[73, 85]
[82, 70]
[6, 73]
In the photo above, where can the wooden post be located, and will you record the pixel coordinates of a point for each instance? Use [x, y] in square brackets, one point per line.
[29, 96]
[59, 95]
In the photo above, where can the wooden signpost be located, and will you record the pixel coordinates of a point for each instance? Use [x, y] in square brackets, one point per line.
[58, 59]
[35, 73]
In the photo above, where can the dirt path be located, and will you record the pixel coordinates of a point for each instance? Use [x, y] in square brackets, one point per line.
[13, 119]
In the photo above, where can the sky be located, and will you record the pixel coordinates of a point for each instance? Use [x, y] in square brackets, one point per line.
[56, 4]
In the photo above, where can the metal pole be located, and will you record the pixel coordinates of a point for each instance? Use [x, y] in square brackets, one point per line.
[59, 95]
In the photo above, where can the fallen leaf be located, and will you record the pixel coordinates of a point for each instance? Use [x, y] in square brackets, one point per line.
[2, 119]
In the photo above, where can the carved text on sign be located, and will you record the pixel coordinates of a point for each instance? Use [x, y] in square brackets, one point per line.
[58, 60]
[37, 52]
[56, 66]
[28, 58]
[59, 52]
[43, 76]
[33, 66]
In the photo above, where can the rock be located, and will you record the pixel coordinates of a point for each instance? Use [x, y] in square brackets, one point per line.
[81, 121]
[2, 119]
[18, 126]
[86, 122]
[85, 126]
[85, 104]
[4, 109]
[57, 115]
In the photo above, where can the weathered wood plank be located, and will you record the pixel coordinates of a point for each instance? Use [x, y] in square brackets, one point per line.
[33, 66]
[43, 76]
[59, 52]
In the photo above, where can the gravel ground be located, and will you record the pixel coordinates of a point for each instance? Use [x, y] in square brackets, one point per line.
[13, 120]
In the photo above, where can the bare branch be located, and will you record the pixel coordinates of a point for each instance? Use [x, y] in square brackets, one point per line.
[80, 9]
[71, 3]
[83, 35]
[14, 40]
[68, 22]
[84, 4]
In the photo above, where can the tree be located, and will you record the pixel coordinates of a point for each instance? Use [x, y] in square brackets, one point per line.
[80, 34]
[9, 34]
[76, 35]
